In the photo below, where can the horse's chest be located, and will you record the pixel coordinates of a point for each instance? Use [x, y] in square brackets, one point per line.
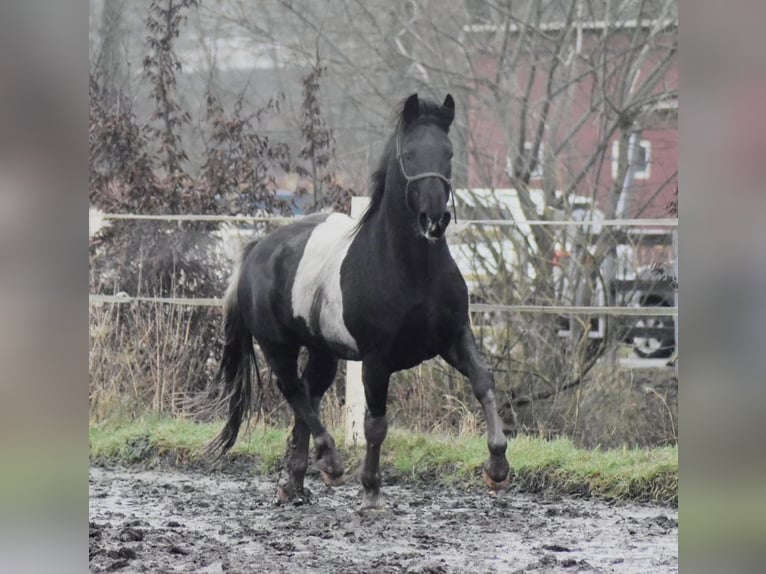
[424, 332]
[404, 323]
[421, 321]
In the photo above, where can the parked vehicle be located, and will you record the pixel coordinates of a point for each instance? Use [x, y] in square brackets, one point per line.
[638, 280]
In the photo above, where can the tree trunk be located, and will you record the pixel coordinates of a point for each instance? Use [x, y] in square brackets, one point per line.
[111, 64]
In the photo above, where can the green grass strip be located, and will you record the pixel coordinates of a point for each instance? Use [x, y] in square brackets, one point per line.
[555, 466]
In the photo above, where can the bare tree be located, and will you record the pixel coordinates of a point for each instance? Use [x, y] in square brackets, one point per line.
[547, 87]
[109, 61]
[555, 97]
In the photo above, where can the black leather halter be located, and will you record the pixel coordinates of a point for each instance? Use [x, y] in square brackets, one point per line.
[410, 178]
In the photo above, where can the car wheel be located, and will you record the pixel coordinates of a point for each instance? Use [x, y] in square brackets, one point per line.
[653, 347]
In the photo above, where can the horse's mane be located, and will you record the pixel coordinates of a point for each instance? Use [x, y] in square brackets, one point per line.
[429, 112]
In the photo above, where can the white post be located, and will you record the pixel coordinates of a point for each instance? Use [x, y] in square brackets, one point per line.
[355, 402]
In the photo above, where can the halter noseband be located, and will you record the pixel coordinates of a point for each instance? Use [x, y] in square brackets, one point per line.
[410, 178]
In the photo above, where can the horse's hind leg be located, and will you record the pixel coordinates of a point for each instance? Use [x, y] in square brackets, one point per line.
[283, 360]
[290, 487]
[319, 374]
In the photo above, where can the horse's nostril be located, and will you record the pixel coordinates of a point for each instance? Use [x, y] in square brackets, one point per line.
[445, 219]
[423, 219]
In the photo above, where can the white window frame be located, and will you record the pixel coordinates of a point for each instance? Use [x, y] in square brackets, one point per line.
[639, 173]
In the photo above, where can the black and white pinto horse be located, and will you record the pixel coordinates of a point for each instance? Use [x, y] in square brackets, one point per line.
[384, 291]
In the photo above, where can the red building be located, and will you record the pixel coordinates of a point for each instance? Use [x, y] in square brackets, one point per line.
[644, 77]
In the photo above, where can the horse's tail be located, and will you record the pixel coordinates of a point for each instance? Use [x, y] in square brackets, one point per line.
[235, 373]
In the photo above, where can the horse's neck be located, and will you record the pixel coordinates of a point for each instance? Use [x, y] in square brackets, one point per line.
[398, 244]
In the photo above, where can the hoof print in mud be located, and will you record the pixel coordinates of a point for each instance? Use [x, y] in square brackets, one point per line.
[131, 535]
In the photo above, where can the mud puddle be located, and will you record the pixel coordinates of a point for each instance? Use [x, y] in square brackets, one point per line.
[173, 521]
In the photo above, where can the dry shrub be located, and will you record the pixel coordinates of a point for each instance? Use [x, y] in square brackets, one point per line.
[434, 397]
[155, 357]
[160, 358]
[612, 408]
[627, 408]
[149, 356]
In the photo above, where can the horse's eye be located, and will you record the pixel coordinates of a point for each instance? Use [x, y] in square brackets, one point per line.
[408, 155]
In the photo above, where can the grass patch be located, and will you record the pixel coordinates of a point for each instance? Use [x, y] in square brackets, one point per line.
[427, 456]
[556, 466]
[179, 441]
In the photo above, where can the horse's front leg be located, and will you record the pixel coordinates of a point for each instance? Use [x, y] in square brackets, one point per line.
[375, 377]
[465, 357]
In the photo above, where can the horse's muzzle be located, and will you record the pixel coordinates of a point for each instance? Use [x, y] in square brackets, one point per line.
[433, 228]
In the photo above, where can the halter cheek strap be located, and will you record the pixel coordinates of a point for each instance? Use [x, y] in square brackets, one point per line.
[410, 178]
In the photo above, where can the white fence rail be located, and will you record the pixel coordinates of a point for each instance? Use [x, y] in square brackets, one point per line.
[476, 307]
[666, 222]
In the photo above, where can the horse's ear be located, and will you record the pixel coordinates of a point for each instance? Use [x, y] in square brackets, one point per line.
[411, 109]
[449, 106]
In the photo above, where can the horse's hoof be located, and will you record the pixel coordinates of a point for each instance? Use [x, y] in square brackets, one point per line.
[331, 469]
[494, 485]
[372, 504]
[330, 480]
[372, 510]
[284, 497]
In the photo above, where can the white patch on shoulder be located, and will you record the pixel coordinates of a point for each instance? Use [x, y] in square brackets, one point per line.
[318, 275]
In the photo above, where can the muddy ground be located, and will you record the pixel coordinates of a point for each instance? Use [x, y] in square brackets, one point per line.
[172, 521]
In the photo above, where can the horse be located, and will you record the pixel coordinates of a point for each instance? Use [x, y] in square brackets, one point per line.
[384, 291]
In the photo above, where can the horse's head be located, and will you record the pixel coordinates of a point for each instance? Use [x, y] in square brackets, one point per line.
[424, 158]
